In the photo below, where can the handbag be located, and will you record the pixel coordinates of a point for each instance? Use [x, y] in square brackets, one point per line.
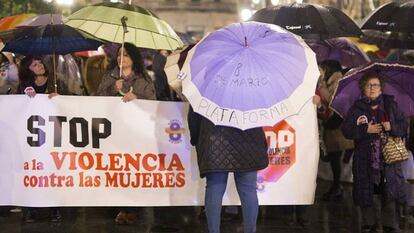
[393, 150]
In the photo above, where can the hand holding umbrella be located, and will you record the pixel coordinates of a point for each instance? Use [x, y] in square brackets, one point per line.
[119, 83]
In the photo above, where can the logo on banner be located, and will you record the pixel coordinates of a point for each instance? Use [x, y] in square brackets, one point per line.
[175, 131]
[281, 141]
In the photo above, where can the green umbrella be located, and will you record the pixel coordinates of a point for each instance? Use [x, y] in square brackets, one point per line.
[144, 28]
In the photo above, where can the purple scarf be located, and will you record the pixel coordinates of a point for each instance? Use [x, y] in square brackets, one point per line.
[376, 160]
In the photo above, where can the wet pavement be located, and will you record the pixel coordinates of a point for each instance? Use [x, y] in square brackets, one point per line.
[338, 216]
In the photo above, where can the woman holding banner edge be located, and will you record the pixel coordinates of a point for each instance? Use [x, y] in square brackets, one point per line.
[134, 83]
[34, 79]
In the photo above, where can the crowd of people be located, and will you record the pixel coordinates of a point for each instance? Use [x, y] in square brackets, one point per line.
[356, 136]
[378, 188]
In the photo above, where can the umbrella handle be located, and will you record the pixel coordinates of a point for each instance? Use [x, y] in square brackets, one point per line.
[125, 30]
[124, 25]
[129, 91]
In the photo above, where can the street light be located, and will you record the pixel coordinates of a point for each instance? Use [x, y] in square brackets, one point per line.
[246, 14]
[61, 2]
[64, 2]
[274, 2]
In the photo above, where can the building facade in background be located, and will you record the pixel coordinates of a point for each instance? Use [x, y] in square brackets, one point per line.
[197, 17]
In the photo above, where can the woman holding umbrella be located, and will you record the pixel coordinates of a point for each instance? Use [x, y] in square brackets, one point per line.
[133, 83]
[370, 116]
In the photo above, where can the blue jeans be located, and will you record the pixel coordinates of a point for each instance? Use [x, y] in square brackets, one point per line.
[246, 187]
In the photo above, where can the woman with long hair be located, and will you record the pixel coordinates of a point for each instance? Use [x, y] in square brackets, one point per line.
[133, 83]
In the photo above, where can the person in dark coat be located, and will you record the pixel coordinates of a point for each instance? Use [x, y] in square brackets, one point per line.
[375, 113]
[221, 150]
[161, 82]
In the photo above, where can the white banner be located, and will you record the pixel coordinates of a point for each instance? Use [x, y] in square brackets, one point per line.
[99, 151]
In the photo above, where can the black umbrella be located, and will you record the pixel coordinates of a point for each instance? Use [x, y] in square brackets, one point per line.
[394, 17]
[49, 39]
[401, 56]
[388, 40]
[311, 21]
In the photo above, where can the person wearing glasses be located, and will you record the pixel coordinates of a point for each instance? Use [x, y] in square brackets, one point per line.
[375, 182]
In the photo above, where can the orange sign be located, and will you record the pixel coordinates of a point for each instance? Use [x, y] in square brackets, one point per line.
[281, 141]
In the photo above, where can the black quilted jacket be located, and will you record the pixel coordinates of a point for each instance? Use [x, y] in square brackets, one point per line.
[221, 148]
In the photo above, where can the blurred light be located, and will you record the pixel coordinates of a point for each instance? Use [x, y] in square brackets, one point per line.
[274, 2]
[114, 1]
[246, 14]
[299, 1]
[255, 1]
[64, 2]
[49, 1]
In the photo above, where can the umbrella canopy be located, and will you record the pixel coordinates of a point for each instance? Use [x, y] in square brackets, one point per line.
[49, 39]
[144, 28]
[42, 20]
[310, 21]
[173, 66]
[399, 82]
[393, 16]
[249, 75]
[389, 39]
[11, 22]
[340, 49]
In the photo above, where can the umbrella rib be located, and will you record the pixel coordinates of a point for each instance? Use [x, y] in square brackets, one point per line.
[153, 40]
[397, 84]
[117, 30]
[168, 41]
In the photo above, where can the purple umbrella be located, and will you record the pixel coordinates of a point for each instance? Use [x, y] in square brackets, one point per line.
[249, 75]
[399, 82]
[340, 49]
